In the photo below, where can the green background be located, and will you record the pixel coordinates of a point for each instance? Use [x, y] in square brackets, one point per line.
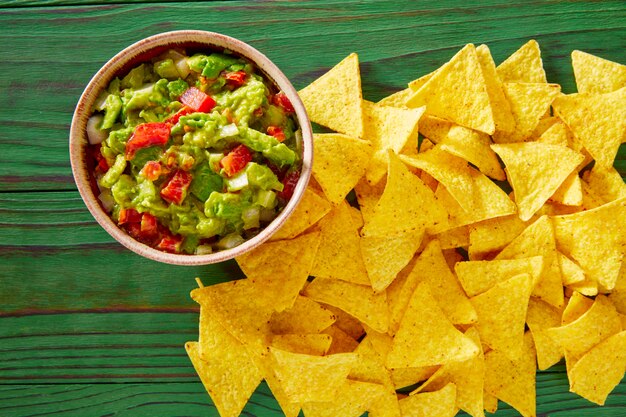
[88, 328]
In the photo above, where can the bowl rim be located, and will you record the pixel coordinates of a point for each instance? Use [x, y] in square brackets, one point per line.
[112, 68]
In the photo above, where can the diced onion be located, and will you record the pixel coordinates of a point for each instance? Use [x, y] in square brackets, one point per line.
[94, 134]
[267, 215]
[229, 130]
[107, 200]
[230, 241]
[266, 198]
[250, 218]
[204, 249]
[182, 67]
[238, 182]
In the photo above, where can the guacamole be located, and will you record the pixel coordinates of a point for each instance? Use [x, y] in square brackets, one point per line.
[194, 153]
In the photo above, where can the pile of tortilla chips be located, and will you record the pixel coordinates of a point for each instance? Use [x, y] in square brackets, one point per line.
[438, 289]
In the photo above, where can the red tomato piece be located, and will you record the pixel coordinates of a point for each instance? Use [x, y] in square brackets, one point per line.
[129, 215]
[149, 225]
[236, 160]
[283, 102]
[170, 243]
[289, 185]
[277, 132]
[152, 170]
[197, 100]
[175, 190]
[146, 135]
[173, 119]
[235, 78]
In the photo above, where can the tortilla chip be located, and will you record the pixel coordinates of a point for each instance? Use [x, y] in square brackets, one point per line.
[427, 404]
[571, 272]
[540, 317]
[434, 128]
[513, 381]
[370, 365]
[353, 399]
[576, 306]
[586, 287]
[406, 377]
[523, 66]
[600, 370]
[311, 208]
[570, 192]
[308, 344]
[604, 184]
[396, 99]
[492, 235]
[341, 341]
[335, 100]
[324, 374]
[340, 161]
[529, 103]
[368, 195]
[491, 402]
[538, 240]
[595, 239]
[477, 277]
[556, 134]
[502, 115]
[454, 238]
[502, 313]
[597, 120]
[543, 126]
[359, 301]
[424, 324]
[457, 92]
[418, 83]
[535, 171]
[389, 128]
[228, 375]
[305, 316]
[351, 326]
[596, 75]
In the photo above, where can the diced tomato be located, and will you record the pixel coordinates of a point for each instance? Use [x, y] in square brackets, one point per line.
[146, 135]
[283, 102]
[277, 132]
[173, 119]
[129, 215]
[152, 170]
[236, 160]
[175, 190]
[149, 226]
[258, 112]
[170, 243]
[102, 163]
[289, 185]
[197, 100]
[235, 78]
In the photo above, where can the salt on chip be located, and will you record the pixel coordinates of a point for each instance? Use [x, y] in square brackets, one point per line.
[523, 66]
[597, 120]
[492, 235]
[359, 301]
[513, 381]
[502, 314]
[335, 100]
[597, 75]
[540, 317]
[340, 161]
[439, 403]
[502, 115]
[229, 378]
[596, 240]
[457, 92]
[310, 344]
[353, 399]
[311, 208]
[425, 324]
[536, 170]
[305, 316]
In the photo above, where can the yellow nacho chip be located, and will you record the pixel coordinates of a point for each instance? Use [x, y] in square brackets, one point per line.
[535, 171]
[492, 235]
[479, 276]
[457, 92]
[513, 381]
[419, 82]
[454, 238]
[500, 106]
[540, 317]
[359, 301]
[425, 324]
[434, 128]
[439, 403]
[311, 208]
[341, 341]
[353, 399]
[604, 184]
[556, 134]
[340, 161]
[577, 305]
[571, 272]
[309, 344]
[305, 316]
[351, 326]
[523, 66]
[502, 313]
[596, 374]
[335, 100]
[570, 192]
[491, 402]
[529, 103]
[543, 126]
[595, 239]
[597, 120]
[597, 75]
[396, 99]
[368, 195]
[389, 128]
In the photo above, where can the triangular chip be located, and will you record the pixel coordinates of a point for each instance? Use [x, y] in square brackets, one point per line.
[457, 237]
[502, 314]
[340, 161]
[597, 120]
[396, 99]
[339, 255]
[419, 82]
[389, 128]
[571, 272]
[309, 344]
[341, 341]
[576, 306]
[229, 378]
[605, 184]
[368, 195]
[596, 75]
[353, 399]
[596, 240]
[502, 115]
[540, 317]
[492, 235]
[570, 192]
[427, 404]
[536, 171]
[350, 325]
[529, 103]
[305, 316]
[311, 208]
[479, 276]
[513, 381]
[457, 92]
[424, 324]
[523, 66]
[335, 100]
[359, 301]
[434, 128]
[538, 240]
[556, 134]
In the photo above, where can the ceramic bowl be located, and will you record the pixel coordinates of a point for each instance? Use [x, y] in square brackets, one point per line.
[143, 51]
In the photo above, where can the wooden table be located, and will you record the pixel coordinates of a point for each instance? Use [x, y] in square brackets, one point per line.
[88, 328]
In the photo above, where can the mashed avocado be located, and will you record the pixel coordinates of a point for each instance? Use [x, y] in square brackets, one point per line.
[197, 151]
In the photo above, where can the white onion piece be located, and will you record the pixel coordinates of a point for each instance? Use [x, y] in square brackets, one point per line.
[250, 218]
[238, 182]
[94, 134]
[229, 130]
[204, 250]
[182, 67]
[267, 215]
[106, 198]
[230, 241]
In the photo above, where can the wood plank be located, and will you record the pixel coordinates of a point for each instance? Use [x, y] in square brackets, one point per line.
[397, 42]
